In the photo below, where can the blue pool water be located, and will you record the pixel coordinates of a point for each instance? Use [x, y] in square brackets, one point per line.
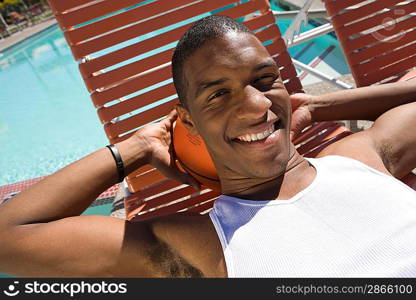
[47, 119]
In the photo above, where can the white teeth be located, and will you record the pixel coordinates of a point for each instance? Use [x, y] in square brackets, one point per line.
[259, 136]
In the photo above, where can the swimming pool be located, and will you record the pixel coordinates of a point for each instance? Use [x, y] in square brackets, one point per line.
[47, 119]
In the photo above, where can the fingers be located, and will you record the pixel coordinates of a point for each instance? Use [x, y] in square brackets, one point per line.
[295, 101]
[172, 116]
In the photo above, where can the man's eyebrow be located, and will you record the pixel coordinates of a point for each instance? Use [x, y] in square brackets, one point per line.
[207, 84]
[266, 64]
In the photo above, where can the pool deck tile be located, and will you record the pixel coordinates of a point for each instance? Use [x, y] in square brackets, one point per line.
[7, 190]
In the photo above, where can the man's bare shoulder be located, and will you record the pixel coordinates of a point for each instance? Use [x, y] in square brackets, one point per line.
[358, 146]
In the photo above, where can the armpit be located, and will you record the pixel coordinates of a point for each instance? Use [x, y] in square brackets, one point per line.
[389, 157]
[169, 263]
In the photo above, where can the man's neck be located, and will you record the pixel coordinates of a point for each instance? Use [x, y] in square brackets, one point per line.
[298, 174]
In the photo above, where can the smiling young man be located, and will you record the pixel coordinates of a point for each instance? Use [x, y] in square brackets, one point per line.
[281, 215]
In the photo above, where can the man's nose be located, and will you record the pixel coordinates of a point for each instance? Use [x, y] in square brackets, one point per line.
[253, 104]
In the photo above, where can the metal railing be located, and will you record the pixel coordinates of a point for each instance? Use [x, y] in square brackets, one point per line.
[293, 36]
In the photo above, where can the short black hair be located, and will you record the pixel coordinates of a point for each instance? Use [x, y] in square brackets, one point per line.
[206, 29]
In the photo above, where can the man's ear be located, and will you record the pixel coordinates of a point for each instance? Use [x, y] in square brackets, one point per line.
[184, 115]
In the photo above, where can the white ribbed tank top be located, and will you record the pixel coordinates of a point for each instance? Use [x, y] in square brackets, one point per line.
[351, 221]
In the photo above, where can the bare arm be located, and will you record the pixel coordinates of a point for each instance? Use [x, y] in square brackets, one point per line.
[390, 145]
[42, 233]
[366, 103]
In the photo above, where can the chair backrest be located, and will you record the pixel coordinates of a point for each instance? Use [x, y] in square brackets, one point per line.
[124, 49]
[377, 36]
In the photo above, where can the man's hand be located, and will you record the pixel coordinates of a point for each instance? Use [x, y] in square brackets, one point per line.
[301, 115]
[157, 140]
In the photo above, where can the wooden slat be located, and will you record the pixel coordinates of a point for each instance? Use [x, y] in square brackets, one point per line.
[345, 32]
[114, 38]
[76, 35]
[283, 59]
[109, 78]
[131, 51]
[139, 182]
[392, 70]
[270, 33]
[293, 86]
[334, 7]
[177, 206]
[141, 170]
[411, 75]
[59, 6]
[260, 21]
[115, 129]
[374, 37]
[383, 47]
[312, 131]
[288, 72]
[156, 189]
[119, 139]
[379, 62]
[318, 138]
[278, 49]
[244, 9]
[94, 11]
[124, 72]
[170, 196]
[106, 114]
[362, 11]
[131, 86]
[203, 207]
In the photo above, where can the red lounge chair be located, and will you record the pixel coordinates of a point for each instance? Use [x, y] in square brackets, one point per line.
[91, 26]
[378, 37]
[378, 40]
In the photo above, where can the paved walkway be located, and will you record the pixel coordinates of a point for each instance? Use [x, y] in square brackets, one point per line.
[25, 33]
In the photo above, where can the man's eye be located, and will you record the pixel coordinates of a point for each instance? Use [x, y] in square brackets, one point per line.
[264, 82]
[217, 94]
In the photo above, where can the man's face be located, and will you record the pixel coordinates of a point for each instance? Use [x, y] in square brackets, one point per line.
[240, 107]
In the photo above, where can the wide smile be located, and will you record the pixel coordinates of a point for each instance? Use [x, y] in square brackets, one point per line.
[265, 136]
